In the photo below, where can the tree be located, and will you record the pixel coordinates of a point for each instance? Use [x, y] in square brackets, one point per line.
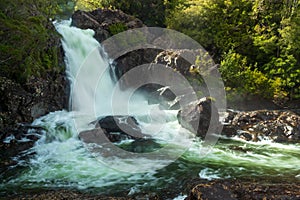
[151, 12]
[28, 40]
[264, 32]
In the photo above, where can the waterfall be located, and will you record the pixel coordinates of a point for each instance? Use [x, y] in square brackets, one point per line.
[87, 68]
[60, 160]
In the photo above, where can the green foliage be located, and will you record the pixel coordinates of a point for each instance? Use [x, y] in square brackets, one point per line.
[28, 40]
[241, 78]
[151, 12]
[117, 28]
[217, 25]
[264, 37]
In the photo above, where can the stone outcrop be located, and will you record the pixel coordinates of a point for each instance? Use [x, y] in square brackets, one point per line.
[275, 125]
[105, 22]
[39, 96]
[198, 116]
[113, 129]
[244, 190]
[14, 140]
[20, 105]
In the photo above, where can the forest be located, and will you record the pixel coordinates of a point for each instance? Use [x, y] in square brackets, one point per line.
[256, 43]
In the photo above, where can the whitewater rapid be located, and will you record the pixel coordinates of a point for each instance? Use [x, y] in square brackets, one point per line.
[59, 159]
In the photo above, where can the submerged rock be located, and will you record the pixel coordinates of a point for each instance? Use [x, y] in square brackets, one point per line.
[14, 140]
[122, 124]
[142, 145]
[114, 129]
[198, 116]
[275, 125]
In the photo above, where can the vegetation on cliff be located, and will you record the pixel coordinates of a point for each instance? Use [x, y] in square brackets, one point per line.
[256, 42]
[29, 44]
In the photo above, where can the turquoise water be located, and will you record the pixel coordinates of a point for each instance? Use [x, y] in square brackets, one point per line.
[59, 159]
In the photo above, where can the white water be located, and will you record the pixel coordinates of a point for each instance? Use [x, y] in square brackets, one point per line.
[61, 159]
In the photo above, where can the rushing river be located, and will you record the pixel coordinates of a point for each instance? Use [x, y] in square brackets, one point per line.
[59, 159]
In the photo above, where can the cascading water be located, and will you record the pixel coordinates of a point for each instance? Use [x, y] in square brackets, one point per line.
[59, 158]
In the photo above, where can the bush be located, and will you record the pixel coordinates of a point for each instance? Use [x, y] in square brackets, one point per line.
[117, 28]
[29, 44]
[241, 78]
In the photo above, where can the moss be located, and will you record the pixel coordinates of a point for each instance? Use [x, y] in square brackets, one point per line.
[28, 40]
[117, 28]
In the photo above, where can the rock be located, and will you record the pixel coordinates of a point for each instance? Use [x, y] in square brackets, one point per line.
[246, 190]
[20, 105]
[164, 97]
[14, 102]
[127, 125]
[198, 115]
[39, 96]
[173, 59]
[161, 94]
[51, 93]
[135, 58]
[59, 194]
[102, 21]
[113, 129]
[142, 145]
[14, 140]
[247, 102]
[96, 136]
[211, 191]
[275, 125]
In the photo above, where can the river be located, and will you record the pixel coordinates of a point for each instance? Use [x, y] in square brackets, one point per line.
[59, 159]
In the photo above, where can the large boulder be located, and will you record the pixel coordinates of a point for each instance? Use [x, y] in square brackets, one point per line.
[37, 97]
[242, 189]
[123, 124]
[275, 125]
[20, 105]
[199, 116]
[113, 129]
[105, 22]
[135, 58]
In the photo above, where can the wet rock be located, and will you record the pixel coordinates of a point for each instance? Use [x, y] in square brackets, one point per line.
[51, 93]
[132, 59]
[60, 194]
[127, 125]
[165, 98]
[244, 190]
[142, 145]
[275, 125]
[96, 136]
[198, 116]
[14, 140]
[113, 129]
[102, 20]
[247, 102]
[20, 105]
[175, 59]
[210, 191]
[14, 101]
[37, 97]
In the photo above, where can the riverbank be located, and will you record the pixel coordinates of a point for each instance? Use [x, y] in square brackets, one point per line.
[196, 189]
